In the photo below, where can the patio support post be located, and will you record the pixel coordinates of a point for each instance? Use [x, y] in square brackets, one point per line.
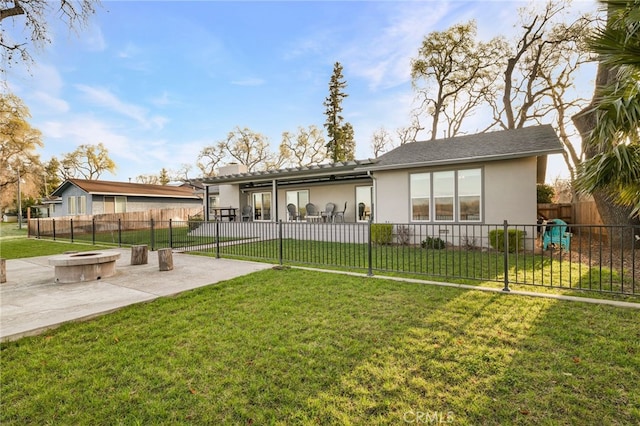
[369, 250]
[217, 222]
[505, 237]
[280, 241]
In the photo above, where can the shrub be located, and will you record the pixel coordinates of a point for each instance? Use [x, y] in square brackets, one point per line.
[381, 233]
[516, 239]
[433, 243]
[403, 235]
[544, 193]
[195, 222]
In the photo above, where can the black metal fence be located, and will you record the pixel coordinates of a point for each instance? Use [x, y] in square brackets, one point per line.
[582, 257]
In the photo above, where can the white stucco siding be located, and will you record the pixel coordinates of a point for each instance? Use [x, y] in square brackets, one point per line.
[510, 191]
[392, 197]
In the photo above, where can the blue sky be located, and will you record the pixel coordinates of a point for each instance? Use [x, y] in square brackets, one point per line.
[155, 82]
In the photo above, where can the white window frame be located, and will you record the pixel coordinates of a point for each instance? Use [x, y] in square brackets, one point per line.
[433, 196]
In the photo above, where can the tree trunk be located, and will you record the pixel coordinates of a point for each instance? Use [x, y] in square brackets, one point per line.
[139, 255]
[165, 259]
[610, 211]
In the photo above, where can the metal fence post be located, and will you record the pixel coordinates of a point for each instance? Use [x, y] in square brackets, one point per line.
[38, 224]
[280, 241]
[369, 250]
[152, 236]
[71, 226]
[217, 239]
[506, 255]
[93, 231]
[119, 232]
[53, 224]
[171, 232]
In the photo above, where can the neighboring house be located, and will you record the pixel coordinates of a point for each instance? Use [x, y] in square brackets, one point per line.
[92, 197]
[482, 178]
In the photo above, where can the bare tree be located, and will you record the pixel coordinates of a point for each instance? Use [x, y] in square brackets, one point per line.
[303, 148]
[35, 14]
[248, 148]
[209, 159]
[381, 141]
[453, 73]
[410, 133]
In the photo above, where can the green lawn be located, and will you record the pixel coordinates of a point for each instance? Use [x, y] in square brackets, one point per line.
[299, 347]
[467, 266]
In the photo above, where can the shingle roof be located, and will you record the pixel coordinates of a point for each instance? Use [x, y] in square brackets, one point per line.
[104, 187]
[482, 147]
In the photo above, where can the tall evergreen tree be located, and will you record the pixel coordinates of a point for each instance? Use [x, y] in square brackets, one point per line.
[341, 145]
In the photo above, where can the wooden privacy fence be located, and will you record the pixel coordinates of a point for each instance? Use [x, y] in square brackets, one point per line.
[131, 220]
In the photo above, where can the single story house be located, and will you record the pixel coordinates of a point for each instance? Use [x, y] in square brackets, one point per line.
[92, 197]
[483, 178]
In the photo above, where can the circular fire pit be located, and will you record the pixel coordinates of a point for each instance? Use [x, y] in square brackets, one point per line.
[88, 266]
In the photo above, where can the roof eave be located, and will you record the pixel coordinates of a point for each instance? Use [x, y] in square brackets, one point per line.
[486, 158]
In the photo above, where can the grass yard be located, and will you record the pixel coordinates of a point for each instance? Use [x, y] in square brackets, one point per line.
[300, 347]
[16, 248]
[466, 266]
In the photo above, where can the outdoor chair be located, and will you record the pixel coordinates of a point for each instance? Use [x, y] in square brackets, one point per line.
[293, 212]
[555, 233]
[328, 212]
[247, 213]
[340, 214]
[313, 215]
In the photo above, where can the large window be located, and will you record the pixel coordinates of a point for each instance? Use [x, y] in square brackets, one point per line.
[469, 188]
[77, 204]
[299, 199]
[71, 205]
[262, 205]
[446, 196]
[420, 196]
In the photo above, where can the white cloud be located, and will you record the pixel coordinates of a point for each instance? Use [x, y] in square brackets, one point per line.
[51, 103]
[250, 81]
[384, 58]
[105, 98]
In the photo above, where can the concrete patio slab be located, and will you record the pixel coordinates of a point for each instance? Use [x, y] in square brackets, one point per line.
[31, 301]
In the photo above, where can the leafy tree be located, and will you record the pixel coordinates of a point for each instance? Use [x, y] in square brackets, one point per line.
[303, 148]
[341, 145]
[458, 74]
[87, 162]
[18, 144]
[148, 179]
[51, 176]
[164, 177]
[35, 13]
[610, 126]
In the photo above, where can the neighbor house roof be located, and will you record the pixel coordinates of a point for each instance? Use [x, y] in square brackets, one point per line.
[103, 187]
[481, 147]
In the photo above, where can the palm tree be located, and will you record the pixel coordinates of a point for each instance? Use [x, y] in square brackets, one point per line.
[611, 126]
